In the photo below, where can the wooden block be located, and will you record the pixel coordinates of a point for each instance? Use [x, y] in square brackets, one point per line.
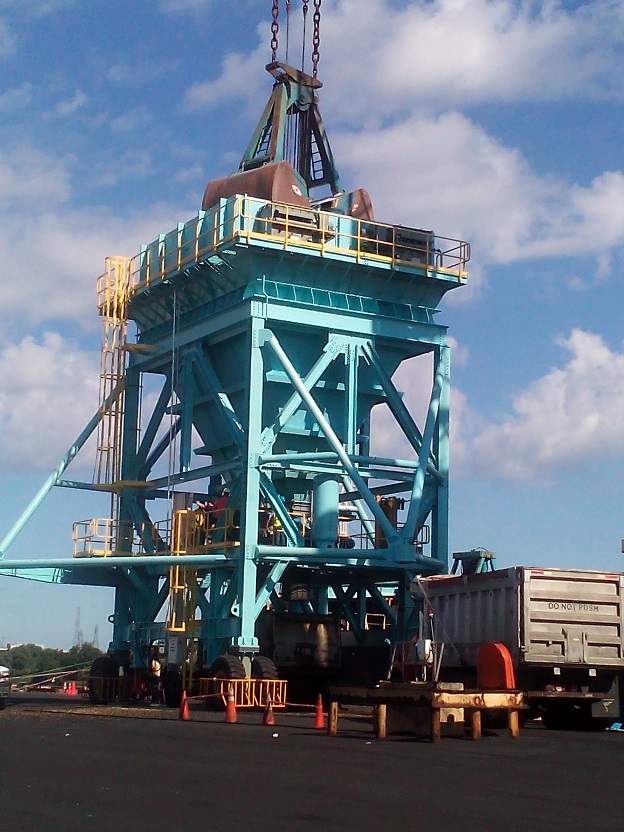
[514, 724]
[380, 721]
[435, 725]
[475, 724]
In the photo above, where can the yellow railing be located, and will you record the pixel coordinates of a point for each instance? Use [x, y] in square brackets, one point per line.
[190, 533]
[245, 219]
[105, 536]
[197, 532]
[248, 693]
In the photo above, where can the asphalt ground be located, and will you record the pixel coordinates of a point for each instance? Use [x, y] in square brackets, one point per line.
[65, 765]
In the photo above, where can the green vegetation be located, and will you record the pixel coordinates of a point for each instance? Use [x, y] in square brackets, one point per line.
[30, 660]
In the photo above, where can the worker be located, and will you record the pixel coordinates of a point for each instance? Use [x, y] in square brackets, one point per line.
[275, 528]
[219, 504]
[202, 520]
[156, 669]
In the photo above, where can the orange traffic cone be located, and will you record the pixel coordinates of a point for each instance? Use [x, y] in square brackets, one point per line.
[269, 717]
[319, 721]
[230, 710]
[73, 690]
[184, 708]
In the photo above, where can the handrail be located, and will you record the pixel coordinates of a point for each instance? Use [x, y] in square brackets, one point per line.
[290, 227]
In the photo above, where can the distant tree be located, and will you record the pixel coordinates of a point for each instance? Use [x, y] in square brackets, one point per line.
[29, 659]
[80, 655]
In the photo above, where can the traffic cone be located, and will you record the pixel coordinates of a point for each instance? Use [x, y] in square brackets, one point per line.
[230, 710]
[319, 720]
[184, 708]
[269, 717]
[73, 690]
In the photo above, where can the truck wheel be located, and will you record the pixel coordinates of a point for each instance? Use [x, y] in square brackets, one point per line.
[3, 704]
[227, 667]
[102, 680]
[224, 667]
[263, 668]
[172, 688]
[561, 717]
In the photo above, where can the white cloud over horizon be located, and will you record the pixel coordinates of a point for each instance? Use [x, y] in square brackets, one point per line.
[567, 420]
[50, 389]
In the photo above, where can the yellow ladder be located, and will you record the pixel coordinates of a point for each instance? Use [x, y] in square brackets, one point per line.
[182, 599]
[112, 290]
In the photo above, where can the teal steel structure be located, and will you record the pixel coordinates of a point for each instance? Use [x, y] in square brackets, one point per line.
[272, 329]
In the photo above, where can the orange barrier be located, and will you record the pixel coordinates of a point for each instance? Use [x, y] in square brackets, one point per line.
[248, 693]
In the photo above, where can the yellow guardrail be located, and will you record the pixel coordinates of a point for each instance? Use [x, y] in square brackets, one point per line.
[290, 227]
[192, 532]
[248, 693]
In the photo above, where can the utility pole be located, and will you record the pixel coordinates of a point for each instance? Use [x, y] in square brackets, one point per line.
[78, 635]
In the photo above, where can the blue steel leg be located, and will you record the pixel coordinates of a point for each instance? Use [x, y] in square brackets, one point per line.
[441, 444]
[441, 376]
[250, 492]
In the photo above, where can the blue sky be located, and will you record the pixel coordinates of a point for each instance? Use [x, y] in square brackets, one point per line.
[498, 122]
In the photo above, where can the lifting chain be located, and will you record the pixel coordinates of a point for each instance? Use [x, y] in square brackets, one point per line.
[316, 39]
[275, 30]
[287, 27]
[305, 20]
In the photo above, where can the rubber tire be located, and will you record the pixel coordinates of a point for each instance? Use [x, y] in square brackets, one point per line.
[555, 719]
[227, 667]
[262, 667]
[104, 667]
[224, 667]
[172, 688]
[3, 703]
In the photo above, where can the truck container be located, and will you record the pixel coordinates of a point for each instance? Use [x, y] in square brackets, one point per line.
[563, 629]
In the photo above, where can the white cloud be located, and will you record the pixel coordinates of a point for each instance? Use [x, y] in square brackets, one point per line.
[457, 52]
[68, 107]
[139, 72]
[379, 59]
[566, 420]
[192, 174]
[135, 119]
[36, 8]
[49, 391]
[239, 78]
[172, 6]
[50, 253]
[17, 98]
[29, 177]
[447, 173]
[124, 167]
[7, 41]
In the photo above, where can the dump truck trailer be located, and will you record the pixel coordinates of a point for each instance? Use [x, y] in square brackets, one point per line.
[563, 629]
